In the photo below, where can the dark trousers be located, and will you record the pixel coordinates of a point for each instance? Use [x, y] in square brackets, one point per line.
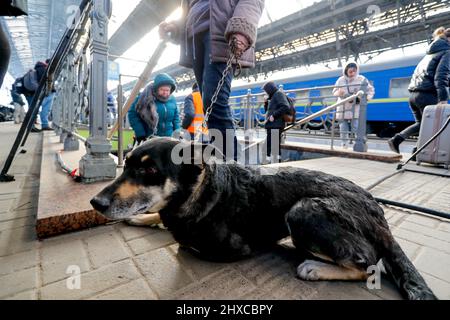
[5, 53]
[208, 75]
[270, 133]
[417, 103]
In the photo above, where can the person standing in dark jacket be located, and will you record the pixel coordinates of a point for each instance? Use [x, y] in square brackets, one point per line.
[207, 31]
[277, 107]
[429, 84]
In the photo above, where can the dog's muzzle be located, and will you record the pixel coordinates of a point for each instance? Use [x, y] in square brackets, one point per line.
[101, 204]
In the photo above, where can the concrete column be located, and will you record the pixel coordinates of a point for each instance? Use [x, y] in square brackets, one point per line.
[97, 164]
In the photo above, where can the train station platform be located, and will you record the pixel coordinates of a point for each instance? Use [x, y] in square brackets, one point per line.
[118, 261]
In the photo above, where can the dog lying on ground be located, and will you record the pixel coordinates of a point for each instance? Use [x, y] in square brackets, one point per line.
[225, 212]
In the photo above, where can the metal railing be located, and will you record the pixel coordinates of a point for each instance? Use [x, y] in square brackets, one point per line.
[78, 73]
[312, 111]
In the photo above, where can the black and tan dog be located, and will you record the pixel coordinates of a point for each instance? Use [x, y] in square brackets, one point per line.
[225, 212]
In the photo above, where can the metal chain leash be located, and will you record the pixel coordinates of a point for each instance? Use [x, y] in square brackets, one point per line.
[233, 56]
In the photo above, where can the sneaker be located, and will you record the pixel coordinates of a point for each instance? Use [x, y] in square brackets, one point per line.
[394, 143]
[34, 129]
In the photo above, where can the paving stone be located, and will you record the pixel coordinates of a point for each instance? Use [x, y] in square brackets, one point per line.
[17, 282]
[411, 249]
[282, 287]
[435, 263]
[156, 240]
[17, 223]
[80, 235]
[6, 204]
[27, 295]
[56, 258]
[227, 284]
[439, 287]
[26, 213]
[193, 265]
[18, 262]
[133, 232]
[17, 240]
[434, 233]
[104, 249]
[422, 239]
[164, 273]
[396, 218]
[388, 289]
[444, 226]
[262, 268]
[424, 221]
[341, 290]
[135, 290]
[92, 283]
[12, 187]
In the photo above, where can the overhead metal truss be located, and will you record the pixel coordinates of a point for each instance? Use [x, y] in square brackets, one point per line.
[34, 37]
[333, 30]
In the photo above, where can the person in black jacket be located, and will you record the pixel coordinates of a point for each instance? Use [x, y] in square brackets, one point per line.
[276, 108]
[429, 84]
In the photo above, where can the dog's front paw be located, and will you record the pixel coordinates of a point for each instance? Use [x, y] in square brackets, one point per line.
[148, 220]
[308, 270]
[135, 221]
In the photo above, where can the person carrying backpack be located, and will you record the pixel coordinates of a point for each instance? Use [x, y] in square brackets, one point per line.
[30, 83]
[277, 108]
[17, 101]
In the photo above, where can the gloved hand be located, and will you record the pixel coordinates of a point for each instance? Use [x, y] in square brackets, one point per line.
[239, 44]
[167, 29]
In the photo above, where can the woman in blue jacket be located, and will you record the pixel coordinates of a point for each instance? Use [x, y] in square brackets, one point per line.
[155, 111]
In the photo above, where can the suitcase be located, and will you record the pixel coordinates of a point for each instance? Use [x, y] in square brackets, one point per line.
[437, 152]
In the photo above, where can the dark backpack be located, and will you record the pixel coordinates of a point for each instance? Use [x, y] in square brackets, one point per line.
[290, 117]
[30, 81]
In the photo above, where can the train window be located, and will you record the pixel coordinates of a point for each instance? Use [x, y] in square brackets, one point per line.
[399, 88]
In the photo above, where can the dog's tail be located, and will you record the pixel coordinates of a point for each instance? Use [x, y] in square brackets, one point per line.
[408, 279]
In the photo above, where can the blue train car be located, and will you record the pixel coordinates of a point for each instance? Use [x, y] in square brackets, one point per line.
[388, 111]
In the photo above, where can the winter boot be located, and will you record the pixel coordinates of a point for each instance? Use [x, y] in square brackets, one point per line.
[394, 143]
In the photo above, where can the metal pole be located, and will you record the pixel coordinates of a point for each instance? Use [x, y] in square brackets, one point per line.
[120, 122]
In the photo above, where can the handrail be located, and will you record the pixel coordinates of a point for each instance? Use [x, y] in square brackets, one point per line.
[359, 94]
